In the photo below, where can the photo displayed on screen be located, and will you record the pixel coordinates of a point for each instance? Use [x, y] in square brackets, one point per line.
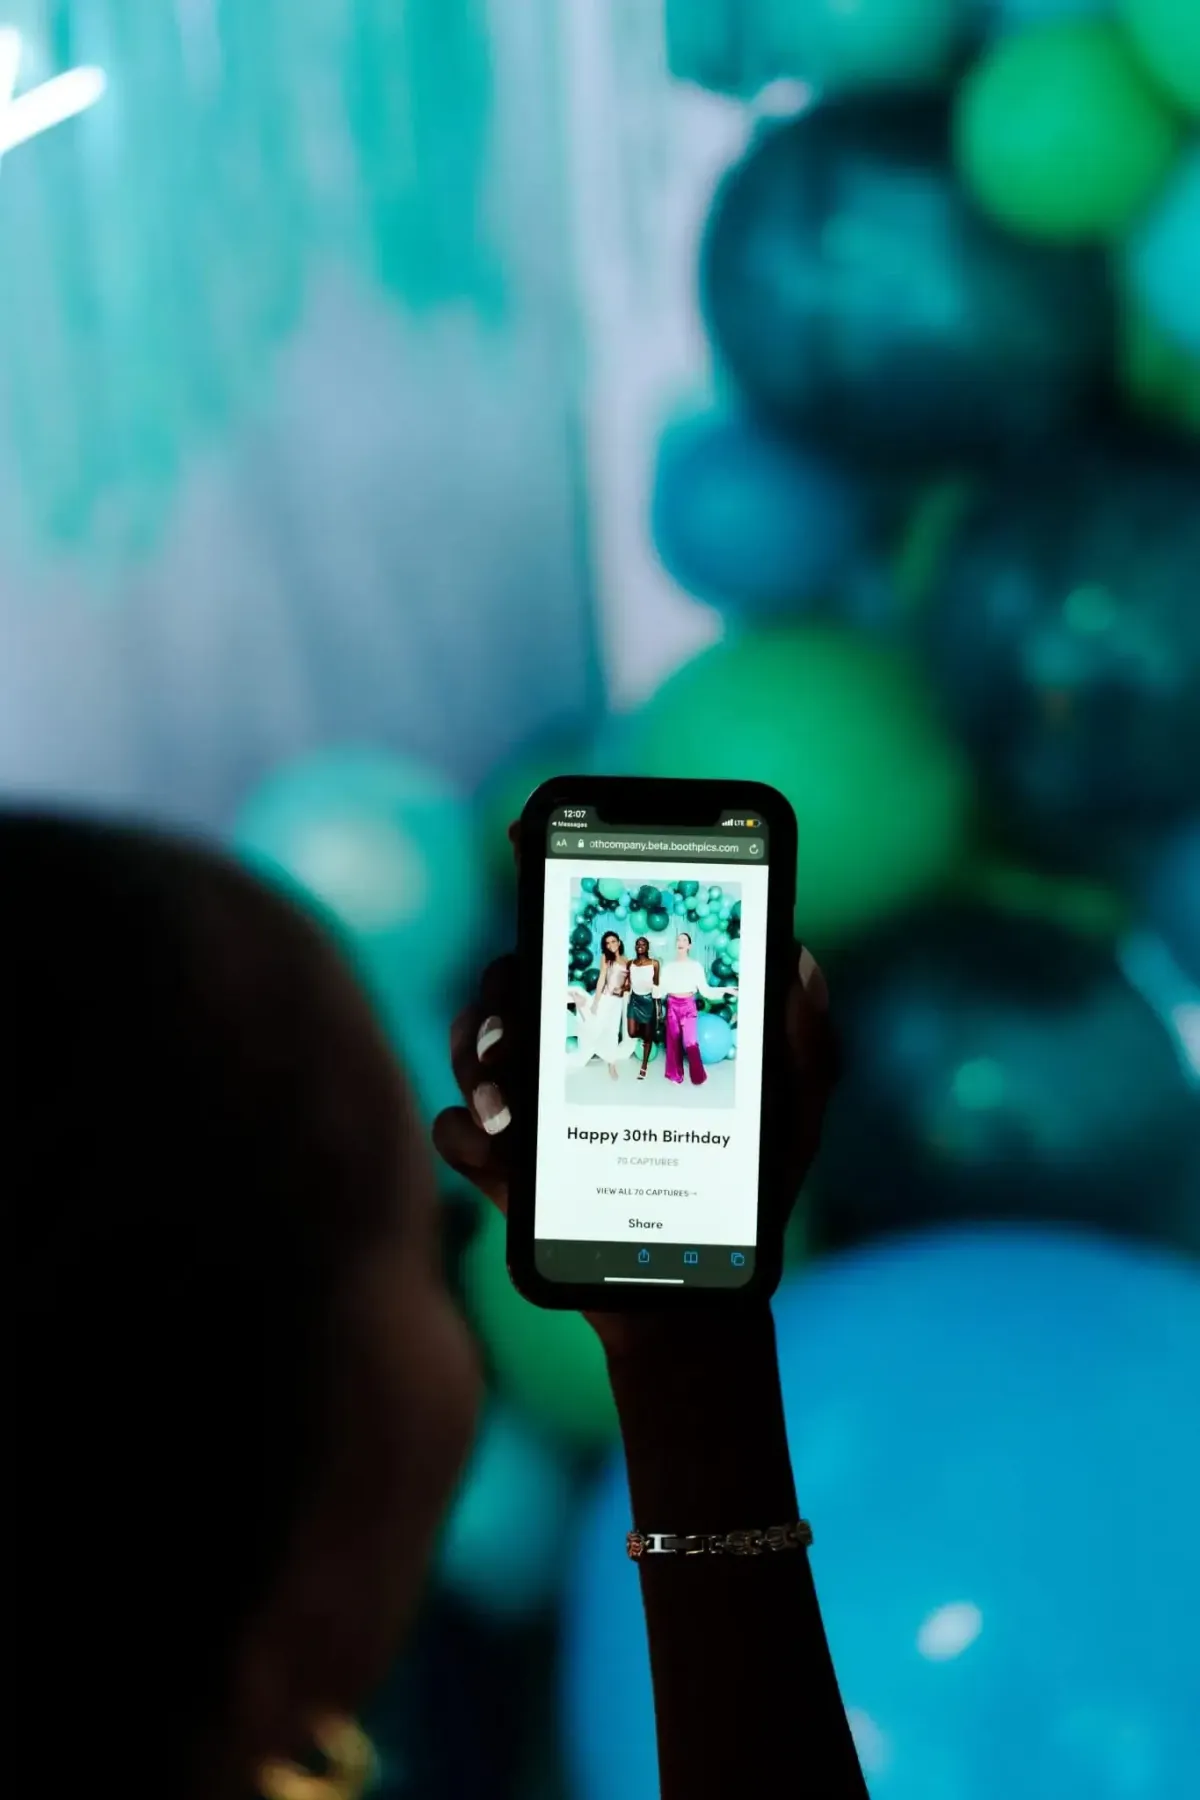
[650, 1063]
[652, 991]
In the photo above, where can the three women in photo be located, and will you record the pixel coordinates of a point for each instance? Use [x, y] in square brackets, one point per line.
[628, 992]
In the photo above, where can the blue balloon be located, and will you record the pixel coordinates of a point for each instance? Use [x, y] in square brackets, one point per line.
[748, 520]
[714, 1037]
[994, 1439]
[505, 1536]
[1164, 258]
[1173, 898]
[386, 849]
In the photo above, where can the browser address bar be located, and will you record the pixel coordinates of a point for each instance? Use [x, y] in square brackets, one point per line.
[700, 849]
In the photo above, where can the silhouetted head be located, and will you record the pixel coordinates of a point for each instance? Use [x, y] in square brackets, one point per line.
[244, 1394]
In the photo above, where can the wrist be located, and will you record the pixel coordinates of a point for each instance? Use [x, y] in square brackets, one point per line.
[702, 1421]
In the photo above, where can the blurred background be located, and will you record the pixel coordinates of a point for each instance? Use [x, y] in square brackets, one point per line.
[402, 401]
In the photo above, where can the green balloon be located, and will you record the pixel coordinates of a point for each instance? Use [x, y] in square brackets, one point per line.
[843, 725]
[689, 889]
[549, 1363]
[1166, 36]
[610, 889]
[639, 924]
[659, 921]
[1060, 134]
[870, 44]
[588, 884]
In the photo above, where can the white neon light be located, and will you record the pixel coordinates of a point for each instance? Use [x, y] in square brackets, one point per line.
[50, 103]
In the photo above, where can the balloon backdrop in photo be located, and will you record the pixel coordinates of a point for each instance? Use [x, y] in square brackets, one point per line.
[872, 44]
[714, 1037]
[1066, 638]
[745, 519]
[1022, 1400]
[1059, 133]
[1166, 34]
[1164, 257]
[386, 849]
[1172, 897]
[855, 292]
[1001, 1067]
[843, 727]
[502, 1547]
[548, 1364]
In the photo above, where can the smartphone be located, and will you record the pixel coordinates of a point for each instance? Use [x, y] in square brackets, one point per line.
[652, 1090]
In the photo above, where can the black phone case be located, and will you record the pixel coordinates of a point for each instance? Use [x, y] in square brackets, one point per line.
[641, 801]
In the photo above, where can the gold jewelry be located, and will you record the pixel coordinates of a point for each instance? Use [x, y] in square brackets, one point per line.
[350, 1763]
[719, 1543]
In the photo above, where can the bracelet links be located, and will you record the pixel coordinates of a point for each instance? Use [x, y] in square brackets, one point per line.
[639, 1544]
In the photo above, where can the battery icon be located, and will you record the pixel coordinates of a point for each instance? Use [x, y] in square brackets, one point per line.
[751, 823]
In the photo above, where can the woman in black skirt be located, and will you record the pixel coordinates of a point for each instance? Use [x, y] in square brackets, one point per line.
[641, 1015]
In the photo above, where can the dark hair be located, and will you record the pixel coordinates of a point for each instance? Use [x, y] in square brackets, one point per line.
[190, 1170]
[687, 935]
[620, 949]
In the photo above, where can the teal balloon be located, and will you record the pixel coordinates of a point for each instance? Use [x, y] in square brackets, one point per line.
[689, 889]
[384, 849]
[722, 939]
[581, 937]
[870, 44]
[609, 889]
[588, 884]
[714, 892]
[509, 1524]
[659, 921]
[622, 912]
[1164, 258]
[714, 1038]
[639, 924]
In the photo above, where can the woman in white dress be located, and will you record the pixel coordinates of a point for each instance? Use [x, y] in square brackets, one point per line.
[600, 1016]
[682, 979]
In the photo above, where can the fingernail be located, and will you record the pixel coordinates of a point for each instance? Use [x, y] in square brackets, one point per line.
[814, 982]
[490, 1033]
[491, 1108]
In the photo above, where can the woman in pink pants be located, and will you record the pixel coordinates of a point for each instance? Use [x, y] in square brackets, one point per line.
[682, 980]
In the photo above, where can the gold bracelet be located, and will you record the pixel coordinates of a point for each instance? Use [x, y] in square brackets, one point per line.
[719, 1543]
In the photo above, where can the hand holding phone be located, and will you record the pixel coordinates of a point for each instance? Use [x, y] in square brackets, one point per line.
[730, 1246]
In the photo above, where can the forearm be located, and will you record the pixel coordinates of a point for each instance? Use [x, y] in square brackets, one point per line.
[746, 1698]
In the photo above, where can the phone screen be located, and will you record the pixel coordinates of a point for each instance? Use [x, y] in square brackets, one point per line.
[651, 1051]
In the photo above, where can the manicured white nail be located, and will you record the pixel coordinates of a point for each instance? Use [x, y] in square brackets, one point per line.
[814, 981]
[491, 1108]
[490, 1033]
